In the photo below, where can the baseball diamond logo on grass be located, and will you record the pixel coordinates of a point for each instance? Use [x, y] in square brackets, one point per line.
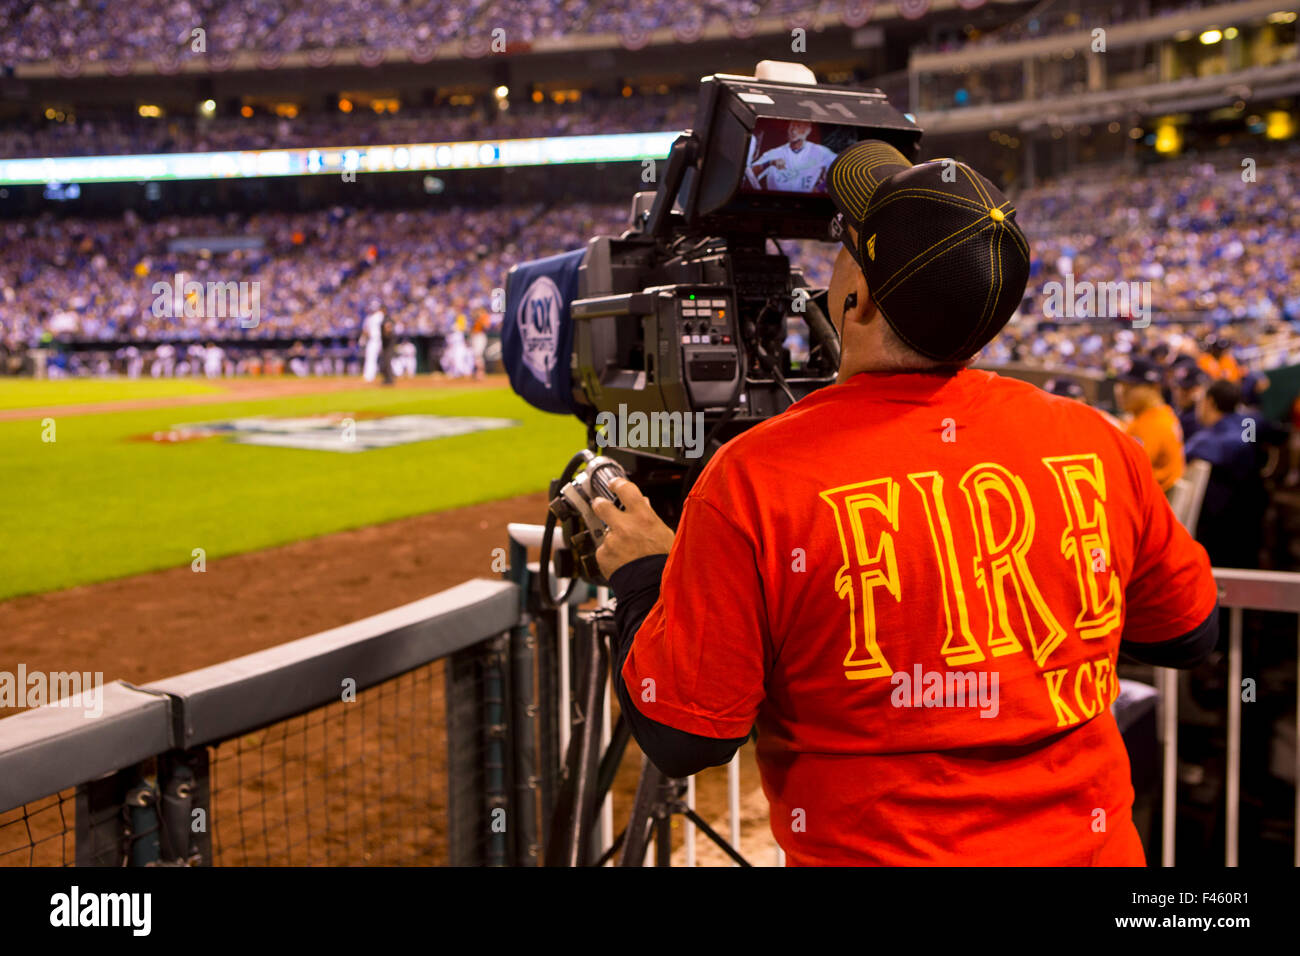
[336, 432]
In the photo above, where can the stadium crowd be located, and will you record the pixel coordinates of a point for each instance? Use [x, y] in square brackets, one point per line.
[146, 29]
[108, 30]
[311, 275]
[125, 30]
[1209, 249]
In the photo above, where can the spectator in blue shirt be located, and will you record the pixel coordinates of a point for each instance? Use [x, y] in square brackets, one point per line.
[1188, 389]
[1231, 521]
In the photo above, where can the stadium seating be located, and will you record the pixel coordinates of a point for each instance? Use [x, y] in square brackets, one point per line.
[319, 273]
[124, 30]
[149, 29]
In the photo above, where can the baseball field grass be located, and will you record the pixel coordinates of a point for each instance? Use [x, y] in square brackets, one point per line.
[28, 393]
[104, 498]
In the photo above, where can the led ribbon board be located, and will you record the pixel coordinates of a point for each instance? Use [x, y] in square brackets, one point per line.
[335, 160]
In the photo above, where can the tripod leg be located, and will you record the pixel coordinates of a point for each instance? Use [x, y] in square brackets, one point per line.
[713, 835]
[642, 815]
[609, 764]
[571, 826]
[664, 839]
[669, 800]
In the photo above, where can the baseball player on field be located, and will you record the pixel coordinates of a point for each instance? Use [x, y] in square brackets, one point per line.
[914, 583]
[372, 338]
[796, 166]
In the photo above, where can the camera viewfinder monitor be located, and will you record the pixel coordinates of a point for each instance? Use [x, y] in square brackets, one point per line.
[767, 148]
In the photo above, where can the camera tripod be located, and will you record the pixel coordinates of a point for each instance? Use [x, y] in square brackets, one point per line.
[588, 775]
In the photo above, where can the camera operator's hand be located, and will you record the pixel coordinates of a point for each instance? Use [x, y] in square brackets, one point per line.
[633, 533]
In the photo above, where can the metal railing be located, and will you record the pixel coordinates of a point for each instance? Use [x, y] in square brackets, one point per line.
[143, 766]
[1239, 590]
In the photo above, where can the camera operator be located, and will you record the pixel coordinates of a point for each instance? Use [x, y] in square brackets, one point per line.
[841, 569]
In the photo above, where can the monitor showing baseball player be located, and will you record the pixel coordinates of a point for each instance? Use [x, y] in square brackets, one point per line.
[792, 156]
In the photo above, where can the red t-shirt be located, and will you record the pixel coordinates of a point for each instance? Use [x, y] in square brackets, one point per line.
[915, 585]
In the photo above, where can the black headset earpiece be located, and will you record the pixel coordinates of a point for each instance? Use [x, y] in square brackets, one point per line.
[850, 301]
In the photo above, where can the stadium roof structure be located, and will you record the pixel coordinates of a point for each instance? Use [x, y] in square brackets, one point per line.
[1199, 93]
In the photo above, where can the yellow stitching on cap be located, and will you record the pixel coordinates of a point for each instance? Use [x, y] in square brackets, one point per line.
[978, 187]
[898, 277]
[870, 168]
[849, 190]
[924, 252]
[1019, 237]
[977, 329]
[998, 273]
[933, 195]
[990, 300]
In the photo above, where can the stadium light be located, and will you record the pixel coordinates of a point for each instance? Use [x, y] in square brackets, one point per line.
[208, 107]
[502, 92]
[1211, 36]
[1280, 125]
[1230, 33]
[1169, 140]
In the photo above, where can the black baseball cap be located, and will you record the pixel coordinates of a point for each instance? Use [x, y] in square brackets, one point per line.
[1141, 372]
[944, 259]
[1189, 376]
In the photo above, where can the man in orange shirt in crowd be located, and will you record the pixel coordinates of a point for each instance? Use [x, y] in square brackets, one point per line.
[1151, 421]
[1217, 362]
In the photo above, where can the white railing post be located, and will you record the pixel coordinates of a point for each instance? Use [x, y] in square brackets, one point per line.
[689, 830]
[606, 719]
[733, 801]
[566, 691]
[1167, 679]
[1233, 821]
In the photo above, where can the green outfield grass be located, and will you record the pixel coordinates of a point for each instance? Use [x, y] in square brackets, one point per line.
[28, 393]
[94, 504]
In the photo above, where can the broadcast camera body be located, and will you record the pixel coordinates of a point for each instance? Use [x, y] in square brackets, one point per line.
[687, 312]
[684, 319]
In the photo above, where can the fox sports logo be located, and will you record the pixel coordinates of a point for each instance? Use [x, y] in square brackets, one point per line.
[538, 320]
